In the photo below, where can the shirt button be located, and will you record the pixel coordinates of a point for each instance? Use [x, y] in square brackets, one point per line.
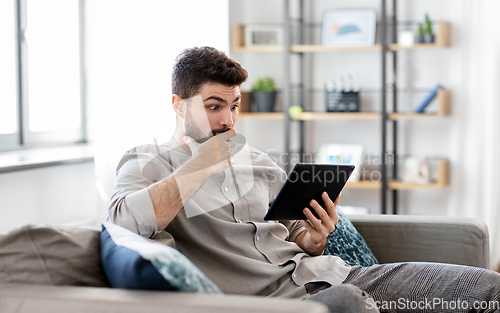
[294, 275]
[238, 221]
[226, 189]
[258, 238]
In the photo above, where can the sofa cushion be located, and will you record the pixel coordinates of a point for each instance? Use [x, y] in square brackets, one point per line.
[52, 255]
[132, 262]
[346, 243]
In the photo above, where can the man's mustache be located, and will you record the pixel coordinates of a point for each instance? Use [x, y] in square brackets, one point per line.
[220, 131]
[214, 132]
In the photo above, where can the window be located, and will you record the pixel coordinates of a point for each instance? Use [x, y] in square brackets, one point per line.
[41, 76]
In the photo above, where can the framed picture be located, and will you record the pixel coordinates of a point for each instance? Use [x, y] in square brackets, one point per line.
[263, 35]
[349, 27]
[342, 154]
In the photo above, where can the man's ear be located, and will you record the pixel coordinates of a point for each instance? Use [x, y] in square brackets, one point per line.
[179, 106]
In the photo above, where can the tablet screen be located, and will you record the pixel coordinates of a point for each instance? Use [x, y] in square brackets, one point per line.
[307, 181]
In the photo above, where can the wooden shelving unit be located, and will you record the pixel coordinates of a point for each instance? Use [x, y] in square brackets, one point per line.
[320, 48]
[239, 43]
[269, 116]
[443, 40]
[311, 116]
[443, 98]
[443, 174]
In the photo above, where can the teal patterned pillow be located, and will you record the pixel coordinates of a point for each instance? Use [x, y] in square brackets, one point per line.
[346, 243]
[132, 262]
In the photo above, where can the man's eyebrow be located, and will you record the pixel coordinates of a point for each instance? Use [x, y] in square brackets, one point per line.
[220, 99]
[215, 98]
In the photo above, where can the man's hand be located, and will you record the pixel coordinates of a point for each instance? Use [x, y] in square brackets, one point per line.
[212, 155]
[171, 194]
[313, 240]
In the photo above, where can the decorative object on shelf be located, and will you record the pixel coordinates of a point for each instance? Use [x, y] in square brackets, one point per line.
[425, 33]
[342, 93]
[406, 38]
[264, 94]
[416, 171]
[428, 99]
[420, 33]
[349, 27]
[343, 154]
[295, 110]
[429, 34]
[263, 35]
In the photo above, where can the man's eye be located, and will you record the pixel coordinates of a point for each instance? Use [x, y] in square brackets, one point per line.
[213, 107]
[234, 107]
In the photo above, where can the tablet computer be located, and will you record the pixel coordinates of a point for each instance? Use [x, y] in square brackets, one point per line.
[307, 181]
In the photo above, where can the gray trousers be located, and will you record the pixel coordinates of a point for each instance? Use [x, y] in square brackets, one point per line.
[414, 287]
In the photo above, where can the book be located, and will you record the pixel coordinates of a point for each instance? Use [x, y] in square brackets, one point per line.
[428, 99]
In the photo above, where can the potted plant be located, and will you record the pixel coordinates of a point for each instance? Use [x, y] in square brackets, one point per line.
[420, 33]
[429, 34]
[264, 94]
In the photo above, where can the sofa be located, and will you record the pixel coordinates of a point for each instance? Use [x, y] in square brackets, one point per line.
[392, 238]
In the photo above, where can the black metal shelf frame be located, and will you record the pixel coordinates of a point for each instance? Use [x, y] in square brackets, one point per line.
[298, 22]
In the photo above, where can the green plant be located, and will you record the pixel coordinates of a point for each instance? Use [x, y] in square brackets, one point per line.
[421, 30]
[265, 84]
[428, 24]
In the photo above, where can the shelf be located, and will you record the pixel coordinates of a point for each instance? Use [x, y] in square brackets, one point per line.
[364, 185]
[443, 169]
[309, 116]
[443, 98]
[269, 116]
[321, 48]
[442, 36]
[442, 181]
[239, 43]
[443, 40]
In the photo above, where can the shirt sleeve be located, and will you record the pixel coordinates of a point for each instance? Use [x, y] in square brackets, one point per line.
[131, 206]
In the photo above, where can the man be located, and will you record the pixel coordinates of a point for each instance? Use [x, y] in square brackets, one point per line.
[211, 192]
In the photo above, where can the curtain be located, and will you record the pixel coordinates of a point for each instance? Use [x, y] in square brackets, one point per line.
[475, 154]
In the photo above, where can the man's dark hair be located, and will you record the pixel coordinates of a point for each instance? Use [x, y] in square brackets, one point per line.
[196, 66]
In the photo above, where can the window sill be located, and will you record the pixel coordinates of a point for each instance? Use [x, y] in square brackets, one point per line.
[14, 161]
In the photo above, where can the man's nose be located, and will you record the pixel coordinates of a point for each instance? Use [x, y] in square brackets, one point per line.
[226, 119]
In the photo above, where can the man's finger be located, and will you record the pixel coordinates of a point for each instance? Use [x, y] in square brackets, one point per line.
[322, 213]
[307, 226]
[312, 219]
[330, 206]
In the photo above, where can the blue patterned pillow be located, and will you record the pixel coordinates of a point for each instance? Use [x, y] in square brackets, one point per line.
[132, 262]
[346, 243]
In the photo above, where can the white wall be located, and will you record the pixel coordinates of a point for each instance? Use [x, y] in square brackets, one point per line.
[417, 69]
[50, 195]
[131, 47]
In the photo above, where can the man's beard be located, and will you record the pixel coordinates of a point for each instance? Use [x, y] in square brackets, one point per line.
[192, 130]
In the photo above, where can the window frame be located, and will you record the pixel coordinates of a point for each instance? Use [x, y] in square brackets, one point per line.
[23, 138]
